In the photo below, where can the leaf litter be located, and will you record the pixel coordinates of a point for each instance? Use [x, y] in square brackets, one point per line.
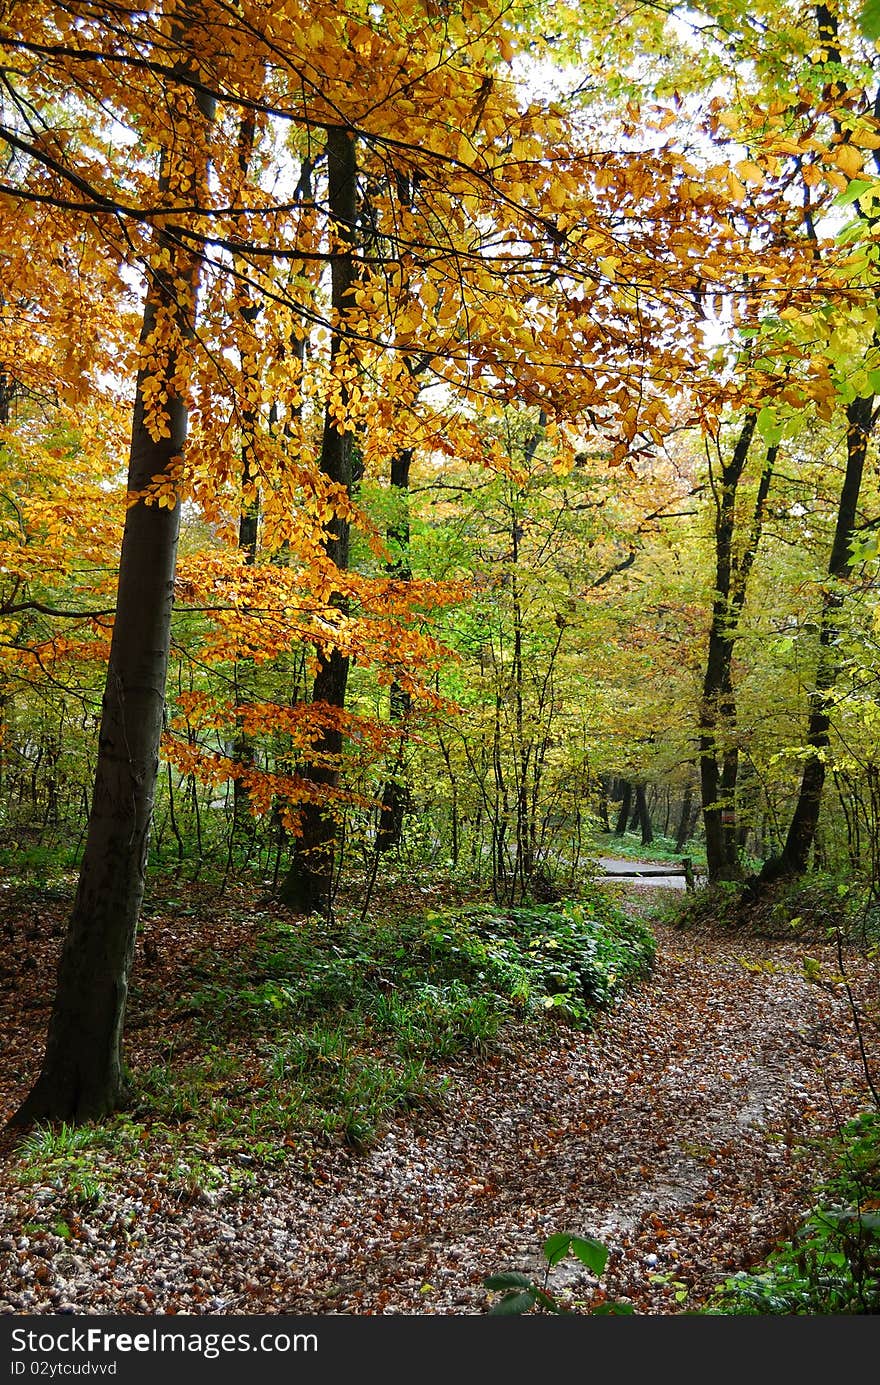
[686, 1132]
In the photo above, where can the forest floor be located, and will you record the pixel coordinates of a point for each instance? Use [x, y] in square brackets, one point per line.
[686, 1131]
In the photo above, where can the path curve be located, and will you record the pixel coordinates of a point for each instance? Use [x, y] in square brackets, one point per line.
[681, 1131]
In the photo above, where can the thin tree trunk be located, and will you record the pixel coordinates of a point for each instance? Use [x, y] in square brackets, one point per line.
[805, 818]
[395, 795]
[643, 816]
[684, 822]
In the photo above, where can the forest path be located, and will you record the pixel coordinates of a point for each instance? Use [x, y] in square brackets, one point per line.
[682, 1131]
[653, 873]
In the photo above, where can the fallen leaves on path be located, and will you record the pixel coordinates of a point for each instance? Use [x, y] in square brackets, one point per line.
[686, 1132]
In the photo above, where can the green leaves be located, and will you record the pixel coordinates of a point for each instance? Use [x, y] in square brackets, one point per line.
[857, 188]
[513, 1303]
[769, 426]
[869, 19]
[590, 1253]
[862, 550]
[521, 1294]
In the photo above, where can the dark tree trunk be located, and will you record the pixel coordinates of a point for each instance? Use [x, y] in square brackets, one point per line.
[643, 816]
[719, 751]
[683, 832]
[82, 1074]
[805, 819]
[243, 745]
[308, 885]
[395, 796]
[623, 815]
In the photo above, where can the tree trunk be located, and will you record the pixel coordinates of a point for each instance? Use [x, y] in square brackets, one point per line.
[623, 815]
[805, 819]
[683, 832]
[719, 751]
[82, 1074]
[395, 795]
[643, 816]
[308, 885]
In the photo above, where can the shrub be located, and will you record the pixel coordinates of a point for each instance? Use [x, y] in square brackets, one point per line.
[832, 1263]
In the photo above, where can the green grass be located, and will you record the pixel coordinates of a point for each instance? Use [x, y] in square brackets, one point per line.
[662, 849]
[77, 1161]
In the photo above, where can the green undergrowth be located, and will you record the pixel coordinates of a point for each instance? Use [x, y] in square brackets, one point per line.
[815, 906]
[832, 1263]
[318, 1032]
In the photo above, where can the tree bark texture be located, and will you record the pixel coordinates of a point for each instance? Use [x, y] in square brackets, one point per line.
[308, 885]
[624, 788]
[395, 795]
[82, 1072]
[718, 744]
[804, 823]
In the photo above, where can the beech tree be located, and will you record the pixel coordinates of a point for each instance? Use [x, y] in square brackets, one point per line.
[81, 1076]
[309, 882]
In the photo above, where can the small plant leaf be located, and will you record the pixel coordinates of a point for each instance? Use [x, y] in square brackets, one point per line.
[590, 1253]
[513, 1303]
[556, 1247]
[508, 1279]
[616, 1310]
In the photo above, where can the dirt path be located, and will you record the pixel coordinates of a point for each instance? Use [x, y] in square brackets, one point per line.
[683, 1132]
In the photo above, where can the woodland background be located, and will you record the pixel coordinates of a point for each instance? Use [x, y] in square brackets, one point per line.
[437, 440]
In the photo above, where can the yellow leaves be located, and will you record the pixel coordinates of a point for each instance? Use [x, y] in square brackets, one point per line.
[749, 172]
[848, 159]
[524, 150]
[865, 139]
[690, 190]
[465, 151]
[792, 147]
[731, 120]
[735, 188]
[629, 422]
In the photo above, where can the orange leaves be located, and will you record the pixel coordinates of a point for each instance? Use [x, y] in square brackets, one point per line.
[849, 159]
[260, 612]
[264, 788]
